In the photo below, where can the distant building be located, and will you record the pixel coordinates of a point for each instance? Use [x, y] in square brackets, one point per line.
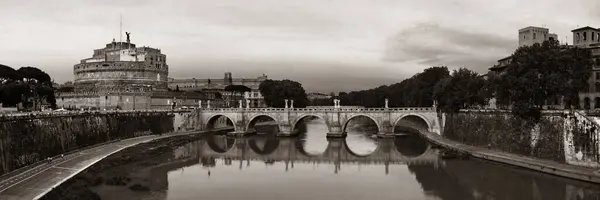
[314, 96]
[123, 76]
[531, 35]
[585, 37]
[589, 38]
[218, 85]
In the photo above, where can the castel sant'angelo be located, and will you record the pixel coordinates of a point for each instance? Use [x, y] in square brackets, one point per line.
[123, 76]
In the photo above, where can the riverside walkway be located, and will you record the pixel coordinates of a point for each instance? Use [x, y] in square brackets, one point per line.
[536, 164]
[41, 179]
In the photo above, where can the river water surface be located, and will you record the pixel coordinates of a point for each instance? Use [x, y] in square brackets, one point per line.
[312, 167]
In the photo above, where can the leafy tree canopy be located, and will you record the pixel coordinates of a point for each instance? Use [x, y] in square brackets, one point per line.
[276, 91]
[464, 88]
[544, 72]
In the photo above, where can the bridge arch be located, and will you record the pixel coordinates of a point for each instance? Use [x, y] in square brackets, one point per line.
[415, 121]
[252, 121]
[345, 124]
[210, 122]
[295, 123]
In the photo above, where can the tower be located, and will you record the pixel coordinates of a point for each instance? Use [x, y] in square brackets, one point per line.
[585, 36]
[228, 79]
[531, 35]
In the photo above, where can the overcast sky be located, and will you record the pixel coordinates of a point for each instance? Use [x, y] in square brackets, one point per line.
[327, 45]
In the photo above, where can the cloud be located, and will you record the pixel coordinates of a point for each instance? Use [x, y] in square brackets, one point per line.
[434, 45]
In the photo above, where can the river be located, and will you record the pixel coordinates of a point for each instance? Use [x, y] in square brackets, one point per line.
[312, 167]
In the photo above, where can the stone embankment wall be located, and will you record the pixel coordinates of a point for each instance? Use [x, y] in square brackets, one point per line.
[25, 140]
[508, 133]
[565, 136]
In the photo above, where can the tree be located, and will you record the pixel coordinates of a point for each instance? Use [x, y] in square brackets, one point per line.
[235, 91]
[8, 74]
[414, 91]
[544, 72]
[463, 89]
[276, 91]
[27, 85]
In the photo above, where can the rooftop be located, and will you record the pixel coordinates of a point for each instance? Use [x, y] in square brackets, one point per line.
[584, 28]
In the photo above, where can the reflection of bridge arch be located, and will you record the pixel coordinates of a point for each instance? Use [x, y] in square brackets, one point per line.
[414, 119]
[411, 145]
[349, 150]
[335, 152]
[299, 119]
[358, 115]
[210, 122]
[299, 146]
[252, 122]
[216, 145]
[270, 146]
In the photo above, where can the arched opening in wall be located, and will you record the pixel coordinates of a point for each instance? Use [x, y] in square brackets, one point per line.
[408, 140]
[219, 143]
[263, 145]
[263, 125]
[220, 123]
[586, 103]
[360, 132]
[312, 134]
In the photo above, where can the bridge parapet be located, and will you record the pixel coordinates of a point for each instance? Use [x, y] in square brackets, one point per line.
[416, 109]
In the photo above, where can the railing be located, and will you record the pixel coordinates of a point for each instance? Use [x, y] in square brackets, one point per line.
[429, 109]
[34, 115]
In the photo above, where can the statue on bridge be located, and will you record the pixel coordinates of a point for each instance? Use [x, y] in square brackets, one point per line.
[386, 103]
[247, 103]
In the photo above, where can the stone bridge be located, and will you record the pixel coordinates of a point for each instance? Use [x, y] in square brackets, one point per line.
[290, 150]
[336, 118]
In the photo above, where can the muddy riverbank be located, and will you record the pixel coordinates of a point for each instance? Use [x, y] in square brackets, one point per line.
[119, 170]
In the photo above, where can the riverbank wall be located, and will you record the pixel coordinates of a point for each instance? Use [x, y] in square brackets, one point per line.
[568, 137]
[29, 139]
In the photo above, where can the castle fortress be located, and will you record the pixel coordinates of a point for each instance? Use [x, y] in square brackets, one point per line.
[123, 76]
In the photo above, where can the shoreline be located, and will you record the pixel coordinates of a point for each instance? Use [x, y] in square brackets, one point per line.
[141, 155]
[535, 164]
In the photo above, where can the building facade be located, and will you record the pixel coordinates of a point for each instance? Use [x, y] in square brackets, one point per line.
[589, 38]
[218, 85]
[123, 76]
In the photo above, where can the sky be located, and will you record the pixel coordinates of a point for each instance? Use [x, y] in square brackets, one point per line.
[327, 45]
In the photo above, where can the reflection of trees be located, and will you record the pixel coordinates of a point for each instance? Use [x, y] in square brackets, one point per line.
[463, 179]
[438, 183]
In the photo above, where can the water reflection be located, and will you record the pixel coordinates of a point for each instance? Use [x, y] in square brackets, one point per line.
[316, 137]
[357, 167]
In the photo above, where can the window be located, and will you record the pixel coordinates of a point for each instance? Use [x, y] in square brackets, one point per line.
[597, 75]
[534, 36]
[598, 37]
[597, 86]
[584, 36]
[593, 36]
[577, 37]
